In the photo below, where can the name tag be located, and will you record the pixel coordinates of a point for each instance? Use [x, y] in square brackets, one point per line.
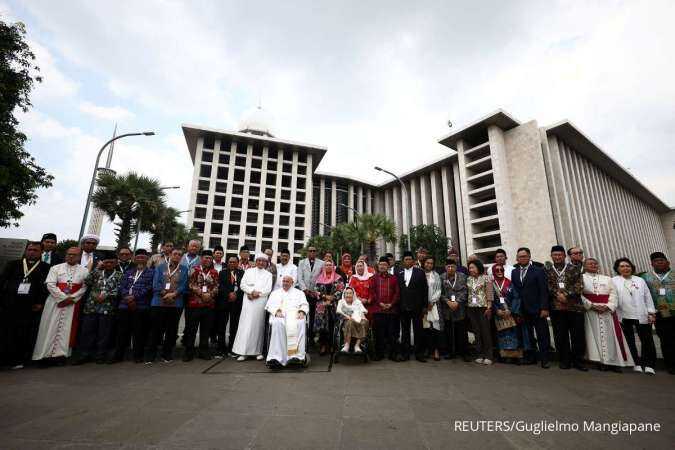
[501, 300]
[205, 289]
[131, 291]
[24, 288]
[452, 298]
[235, 289]
[662, 291]
[167, 286]
[561, 285]
[474, 300]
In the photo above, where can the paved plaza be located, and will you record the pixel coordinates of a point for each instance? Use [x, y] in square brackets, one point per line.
[350, 405]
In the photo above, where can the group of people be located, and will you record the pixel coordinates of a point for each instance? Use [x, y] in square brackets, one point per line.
[101, 306]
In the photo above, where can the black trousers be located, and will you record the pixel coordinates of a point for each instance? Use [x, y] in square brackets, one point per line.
[568, 326]
[481, 331]
[644, 331]
[164, 331]
[19, 333]
[96, 335]
[414, 318]
[312, 313]
[134, 327]
[386, 328]
[456, 339]
[198, 318]
[665, 329]
[535, 323]
[229, 313]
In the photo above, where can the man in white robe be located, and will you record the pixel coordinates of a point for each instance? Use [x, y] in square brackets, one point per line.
[605, 343]
[256, 285]
[58, 323]
[288, 309]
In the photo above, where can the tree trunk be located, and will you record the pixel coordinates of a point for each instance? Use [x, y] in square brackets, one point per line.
[124, 233]
[372, 250]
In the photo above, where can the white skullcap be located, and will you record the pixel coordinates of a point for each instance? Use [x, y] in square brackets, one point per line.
[261, 255]
[89, 237]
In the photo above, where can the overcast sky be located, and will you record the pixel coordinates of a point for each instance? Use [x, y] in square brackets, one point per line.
[375, 82]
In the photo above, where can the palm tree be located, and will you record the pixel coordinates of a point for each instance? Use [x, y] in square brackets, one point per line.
[164, 226]
[116, 195]
[373, 227]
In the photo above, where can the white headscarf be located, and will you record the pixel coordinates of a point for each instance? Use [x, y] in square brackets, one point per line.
[366, 274]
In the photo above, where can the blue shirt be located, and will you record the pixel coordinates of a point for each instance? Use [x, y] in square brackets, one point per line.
[160, 280]
[141, 289]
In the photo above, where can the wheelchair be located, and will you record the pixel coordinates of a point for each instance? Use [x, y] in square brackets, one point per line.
[338, 339]
[293, 363]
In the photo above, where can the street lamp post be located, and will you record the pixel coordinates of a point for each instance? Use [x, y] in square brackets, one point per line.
[96, 168]
[136, 206]
[405, 192]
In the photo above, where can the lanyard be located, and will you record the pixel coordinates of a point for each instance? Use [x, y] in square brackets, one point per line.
[171, 274]
[663, 278]
[454, 282]
[500, 288]
[204, 274]
[27, 272]
[105, 280]
[561, 273]
[137, 276]
[190, 261]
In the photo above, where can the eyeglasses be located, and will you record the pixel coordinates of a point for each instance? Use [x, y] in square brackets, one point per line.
[499, 270]
[576, 253]
[311, 250]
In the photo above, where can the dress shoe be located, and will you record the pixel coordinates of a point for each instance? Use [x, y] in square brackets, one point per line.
[545, 365]
[421, 359]
[565, 366]
[581, 367]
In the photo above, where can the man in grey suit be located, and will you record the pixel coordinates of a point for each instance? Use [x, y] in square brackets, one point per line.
[308, 270]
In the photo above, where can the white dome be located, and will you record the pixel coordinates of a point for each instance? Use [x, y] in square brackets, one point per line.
[256, 121]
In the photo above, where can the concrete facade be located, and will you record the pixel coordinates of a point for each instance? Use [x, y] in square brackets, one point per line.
[503, 184]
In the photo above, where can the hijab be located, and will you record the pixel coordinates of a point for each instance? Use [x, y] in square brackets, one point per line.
[366, 274]
[324, 278]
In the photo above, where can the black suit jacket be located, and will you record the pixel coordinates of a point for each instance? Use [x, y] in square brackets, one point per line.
[55, 259]
[533, 291]
[415, 296]
[12, 302]
[226, 286]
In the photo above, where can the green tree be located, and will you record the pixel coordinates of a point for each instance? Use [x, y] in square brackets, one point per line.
[116, 194]
[430, 237]
[64, 245]
[346, 239]
[322, 244]
[371, 228]
[182, 235]
[164, 226]
[20, 176]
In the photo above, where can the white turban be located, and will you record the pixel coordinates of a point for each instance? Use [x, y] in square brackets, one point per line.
[89, 237]
[261, 255]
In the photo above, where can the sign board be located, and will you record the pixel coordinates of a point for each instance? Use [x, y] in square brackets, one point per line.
[11, 249]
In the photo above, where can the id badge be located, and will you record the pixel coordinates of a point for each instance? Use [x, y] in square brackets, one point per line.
[24, 288]
[452, 298]
[662, 291]
[474, 300]
[561, 285]
[235, 289]
[205, 289]
[501, 300]
[131, 291]
[167, 286]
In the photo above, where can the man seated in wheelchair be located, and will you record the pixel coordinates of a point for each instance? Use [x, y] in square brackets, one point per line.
[288, 310]
[353, 316]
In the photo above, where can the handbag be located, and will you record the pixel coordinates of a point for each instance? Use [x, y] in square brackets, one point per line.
[504, 323]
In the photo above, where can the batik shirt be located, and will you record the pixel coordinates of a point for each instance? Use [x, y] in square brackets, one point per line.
[105, 284]
[572, 286]
[662, 288]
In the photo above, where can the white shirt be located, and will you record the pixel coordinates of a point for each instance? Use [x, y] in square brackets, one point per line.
[635, 300]
[289, 269]
[356, 310]
[218, 265]
[407, 275]
[84, 260]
